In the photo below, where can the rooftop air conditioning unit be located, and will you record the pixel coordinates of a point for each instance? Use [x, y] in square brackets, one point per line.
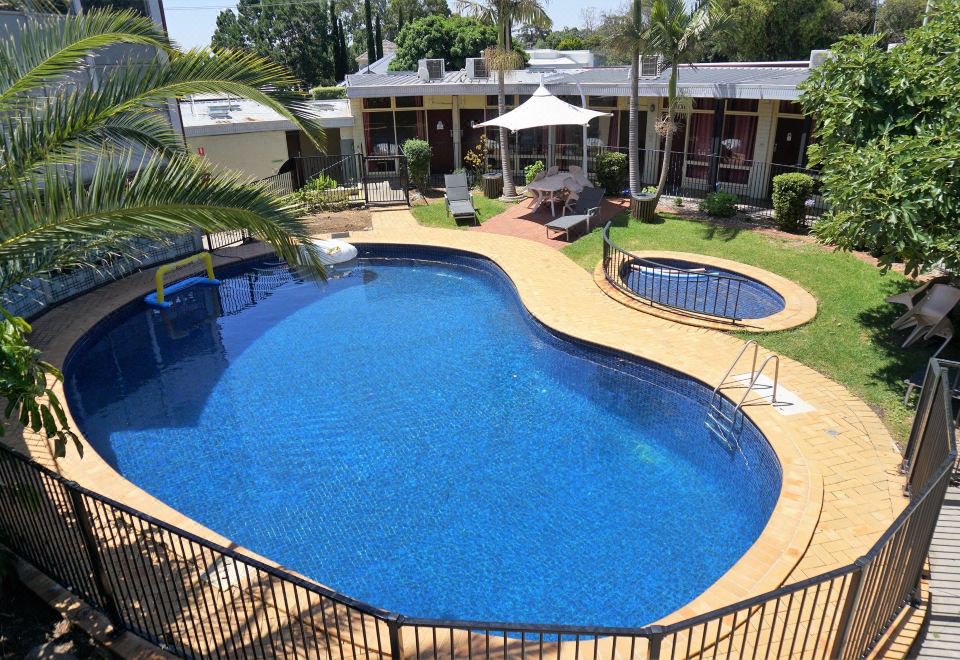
[650, 66]
[430, 69]
[818, 57]
[477, 68]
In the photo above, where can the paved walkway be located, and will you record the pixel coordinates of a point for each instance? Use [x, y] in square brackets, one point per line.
[941, 635]
[519, 221]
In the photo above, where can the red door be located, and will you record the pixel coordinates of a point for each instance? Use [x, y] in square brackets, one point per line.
[440, 135]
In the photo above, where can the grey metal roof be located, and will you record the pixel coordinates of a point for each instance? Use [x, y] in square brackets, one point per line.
[727, 81]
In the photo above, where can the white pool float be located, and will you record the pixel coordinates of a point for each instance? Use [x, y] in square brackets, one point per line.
[334, 251]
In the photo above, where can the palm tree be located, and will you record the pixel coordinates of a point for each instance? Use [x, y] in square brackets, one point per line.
[628, 37]
[85, 168]
[504, 15]
[678, 35]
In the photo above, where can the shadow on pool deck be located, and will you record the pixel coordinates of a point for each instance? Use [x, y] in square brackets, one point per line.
[522, 222]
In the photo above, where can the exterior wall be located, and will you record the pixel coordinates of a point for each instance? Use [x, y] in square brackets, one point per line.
[259, 154]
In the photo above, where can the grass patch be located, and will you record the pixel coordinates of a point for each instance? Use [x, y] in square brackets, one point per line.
[849, 340]
[434, 214]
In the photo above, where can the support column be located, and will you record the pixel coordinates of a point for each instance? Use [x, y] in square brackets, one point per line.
[551, 142]
[714, 166]
[457, 135]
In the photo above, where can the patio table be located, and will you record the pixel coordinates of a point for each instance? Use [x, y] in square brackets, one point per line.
[547, 186]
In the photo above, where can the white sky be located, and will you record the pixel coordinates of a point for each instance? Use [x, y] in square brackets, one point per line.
[191, 22]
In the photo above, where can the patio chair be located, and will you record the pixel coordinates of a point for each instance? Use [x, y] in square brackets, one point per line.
[931, 310]
[537, 177]
[458, 200]
[553, 169]
[587, 208]
[909, 298]
[574, 189]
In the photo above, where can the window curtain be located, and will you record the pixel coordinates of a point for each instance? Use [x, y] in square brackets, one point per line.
[736, 148]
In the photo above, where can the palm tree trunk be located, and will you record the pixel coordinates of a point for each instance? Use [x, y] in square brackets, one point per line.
[633, 145]
[509, 190]
[668, 139]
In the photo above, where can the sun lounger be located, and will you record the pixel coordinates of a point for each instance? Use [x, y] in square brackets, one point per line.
[458, 199]
[587, 208]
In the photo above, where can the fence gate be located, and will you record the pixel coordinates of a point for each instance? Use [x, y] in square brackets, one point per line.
[354, 178]
[385, 180]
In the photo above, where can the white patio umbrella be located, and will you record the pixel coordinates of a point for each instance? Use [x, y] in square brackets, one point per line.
[545, 109]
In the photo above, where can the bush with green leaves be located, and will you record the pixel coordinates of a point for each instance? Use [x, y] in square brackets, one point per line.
[315, 195]
[790, 194]
[326, 93]
[612, 167]
[418, 153]
[888, 146]
[721, 204]
[532, 170]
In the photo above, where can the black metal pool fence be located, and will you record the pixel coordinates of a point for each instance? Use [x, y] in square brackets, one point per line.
[196, 598]
[697, 292]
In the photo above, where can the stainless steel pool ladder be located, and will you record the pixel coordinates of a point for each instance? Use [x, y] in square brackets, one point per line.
[728, 427]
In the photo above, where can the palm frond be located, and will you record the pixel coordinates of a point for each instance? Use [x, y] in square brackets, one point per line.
[127, 104]
[122, 198]
[47, 49]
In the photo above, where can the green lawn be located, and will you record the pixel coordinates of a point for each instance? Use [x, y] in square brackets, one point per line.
[435, 214]
[849, 340]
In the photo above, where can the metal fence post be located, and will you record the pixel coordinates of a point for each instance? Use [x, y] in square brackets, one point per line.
[655, 639]
[362, 164]
[85, 525]
[394, 625]
[850, 608]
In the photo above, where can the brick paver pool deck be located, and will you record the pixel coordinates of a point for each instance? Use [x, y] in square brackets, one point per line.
[841, 485]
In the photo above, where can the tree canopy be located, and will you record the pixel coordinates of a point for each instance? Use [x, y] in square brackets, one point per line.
[769, 30]
[452, 39]
[888, 144]
[298, 36]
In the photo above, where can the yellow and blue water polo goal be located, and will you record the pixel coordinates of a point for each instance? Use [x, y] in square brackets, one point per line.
[158, 298]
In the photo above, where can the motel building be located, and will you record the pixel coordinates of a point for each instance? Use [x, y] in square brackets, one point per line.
[745, 126]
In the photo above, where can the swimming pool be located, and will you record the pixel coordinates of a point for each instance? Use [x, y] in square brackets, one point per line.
[409, 436]
[701, 288]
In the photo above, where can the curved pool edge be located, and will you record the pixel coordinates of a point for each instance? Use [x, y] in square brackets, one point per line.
[800, 306]
[765, 565]
[568, 308]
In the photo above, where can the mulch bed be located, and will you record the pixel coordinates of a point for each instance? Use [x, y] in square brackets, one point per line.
[336, 221]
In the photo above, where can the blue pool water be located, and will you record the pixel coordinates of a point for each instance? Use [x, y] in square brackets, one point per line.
[408, 435]
[687, 285]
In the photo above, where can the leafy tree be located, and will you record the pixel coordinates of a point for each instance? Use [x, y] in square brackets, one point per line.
[505, 15]
[404, 11]
[680, 36]
[295, 35]
[139, 181]
[895, 17]
[571, 43]
[779, 30]
[452, 39]
[378, 38]
[888, 146]
[336, 47]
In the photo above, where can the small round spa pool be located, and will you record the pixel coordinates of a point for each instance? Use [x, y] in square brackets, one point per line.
[700, 288]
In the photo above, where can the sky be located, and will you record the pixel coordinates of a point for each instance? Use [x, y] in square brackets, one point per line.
[191, 22]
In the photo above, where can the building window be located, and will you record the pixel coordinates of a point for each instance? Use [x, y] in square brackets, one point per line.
[139, 6]
[736, 148]
[699, 144]
[602, 101]
[790, 108]
[509, 99]
[409, 101]
[742, 105]
[376, 103]
[380, 133]
[408, 125]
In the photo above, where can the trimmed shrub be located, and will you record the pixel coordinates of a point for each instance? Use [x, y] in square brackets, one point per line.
[612, 168]
[418, 153]
[322, 93]
[790, 194]
[532, 170]
[722, 204]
